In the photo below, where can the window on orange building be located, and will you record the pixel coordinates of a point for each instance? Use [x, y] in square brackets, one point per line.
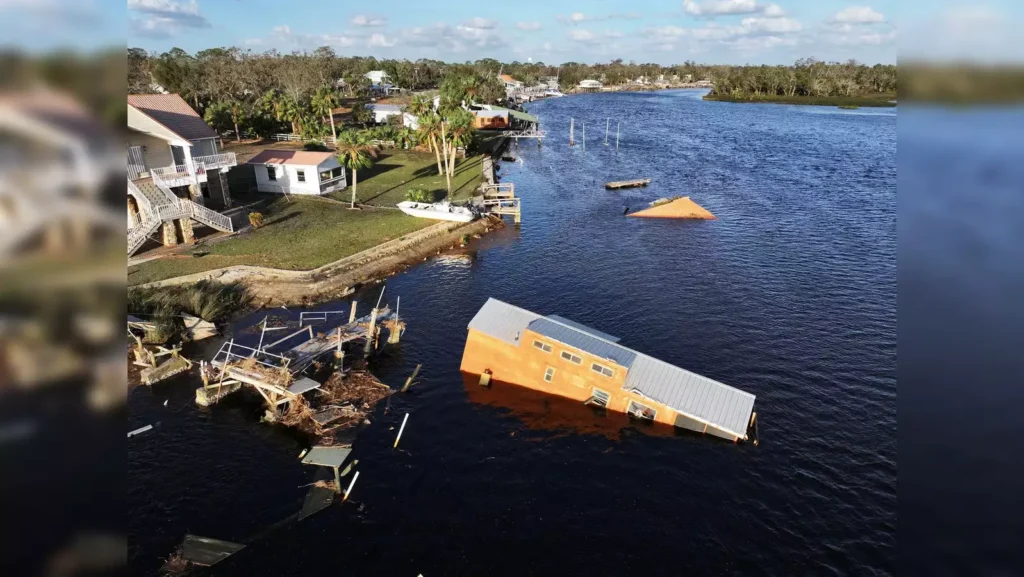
[602, 369]
[572, 358]
[542, 346]
[549, 374]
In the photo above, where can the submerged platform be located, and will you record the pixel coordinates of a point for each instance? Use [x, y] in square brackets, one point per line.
[627, 183]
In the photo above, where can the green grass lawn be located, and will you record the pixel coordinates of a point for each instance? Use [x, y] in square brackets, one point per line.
[396, 171]
[300, 234]
[304, 233]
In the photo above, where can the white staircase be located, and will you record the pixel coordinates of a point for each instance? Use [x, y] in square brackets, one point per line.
[159, 204]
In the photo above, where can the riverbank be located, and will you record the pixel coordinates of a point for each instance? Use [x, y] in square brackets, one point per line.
[273, 287]
[885, 100]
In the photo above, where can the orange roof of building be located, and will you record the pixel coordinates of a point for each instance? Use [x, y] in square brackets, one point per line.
[299, 157]
[679, 208]
[507, 78]
[173, 112]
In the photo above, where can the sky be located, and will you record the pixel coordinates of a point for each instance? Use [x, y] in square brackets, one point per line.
[551, 31]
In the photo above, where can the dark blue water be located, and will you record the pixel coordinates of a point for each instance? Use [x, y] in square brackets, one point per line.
[790, 295]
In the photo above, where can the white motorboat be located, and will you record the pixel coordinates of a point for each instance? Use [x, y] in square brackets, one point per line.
[552, 93]
[437, 211]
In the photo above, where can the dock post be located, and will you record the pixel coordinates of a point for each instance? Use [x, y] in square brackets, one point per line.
[352, 315]
[371, 330]
[617, 134]
[337, 481]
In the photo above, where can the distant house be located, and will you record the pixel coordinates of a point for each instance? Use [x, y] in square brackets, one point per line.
[298, 172]
[551, 82]
[491, 119]
[590, 85]
[378, 76]
[382, 112]
[509, 82]
[380, 83]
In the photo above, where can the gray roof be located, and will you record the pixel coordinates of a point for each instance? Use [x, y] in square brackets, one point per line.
[327, 456]
[704, 399]
[502, 321]
[707, 400]
[584, 328]
[584, 341]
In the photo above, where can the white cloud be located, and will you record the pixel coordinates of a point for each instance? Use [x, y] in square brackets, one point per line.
[770, 25]
[577, 17]
[581, 35]
[165, 18]
[774, 11]
[858, 15]
[253, 42]
[378, 40]
[528, 25]
[301, 40]
[721, 7]
[480, 23]
[453, 39]
[369, 20]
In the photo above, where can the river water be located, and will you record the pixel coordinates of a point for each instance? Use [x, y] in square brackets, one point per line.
[790, 294]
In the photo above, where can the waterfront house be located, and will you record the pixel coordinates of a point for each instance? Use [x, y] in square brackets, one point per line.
[175, 169]
[510, 83]
[560, 357]
[590, 85]
[298, 172]
[382, 112]
[57, 160]
[490, 119]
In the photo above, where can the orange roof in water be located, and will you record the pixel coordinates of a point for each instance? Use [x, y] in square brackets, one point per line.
[678, 208]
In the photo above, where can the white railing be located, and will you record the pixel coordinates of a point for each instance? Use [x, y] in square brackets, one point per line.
[286, 137]
[215, 161]
[135, 171]
[172, 212]
[174, 175]
[138, 235]
[165, 187]
[207, 216]
[145, 206]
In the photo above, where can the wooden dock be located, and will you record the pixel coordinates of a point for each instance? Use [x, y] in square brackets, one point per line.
[627, 183]
[500, 198]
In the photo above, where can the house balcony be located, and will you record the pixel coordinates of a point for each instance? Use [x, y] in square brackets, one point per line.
[183, 174]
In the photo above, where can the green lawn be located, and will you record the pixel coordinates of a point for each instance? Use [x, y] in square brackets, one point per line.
[396, 171]
[304, 233]
[300, 234]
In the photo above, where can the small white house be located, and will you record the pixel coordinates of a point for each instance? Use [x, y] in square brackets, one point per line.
[381, 112]
[378, 76]
[298, 172]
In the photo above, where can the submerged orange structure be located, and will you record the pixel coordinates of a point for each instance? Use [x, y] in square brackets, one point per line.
[560, 357]
[681, 207]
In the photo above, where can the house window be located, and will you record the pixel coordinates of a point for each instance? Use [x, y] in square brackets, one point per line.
[325, 175]
[301, 175]
[602, 369]
[572, 358]
[271, 173]
[542, 346]
[641, 411]
[600, 398]
[549, 374]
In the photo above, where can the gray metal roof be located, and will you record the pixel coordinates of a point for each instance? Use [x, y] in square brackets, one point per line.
[327, 456]
[584, 328]
[502, 320]
[704, 399]
[584, 341]
[693, 395]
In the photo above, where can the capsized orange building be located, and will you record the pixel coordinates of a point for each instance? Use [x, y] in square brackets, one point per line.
[560, 357]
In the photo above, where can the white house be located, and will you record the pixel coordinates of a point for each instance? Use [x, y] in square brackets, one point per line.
[381, 112]
[590, 85]
[378, 76]
[298, 172]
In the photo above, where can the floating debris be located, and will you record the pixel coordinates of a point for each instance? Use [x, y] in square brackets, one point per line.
[139, 431]
[333, 457]
[681, 207]
[206, 551]
[627, 183]
[318, 498]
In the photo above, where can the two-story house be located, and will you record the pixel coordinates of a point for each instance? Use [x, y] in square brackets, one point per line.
[560, 357]
[175, 171]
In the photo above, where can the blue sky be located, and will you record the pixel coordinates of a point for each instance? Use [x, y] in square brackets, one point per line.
[664, 31]
[553, 31]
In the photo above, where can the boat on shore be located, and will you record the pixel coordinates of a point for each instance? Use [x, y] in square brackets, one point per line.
[552, 93]
[437, 211]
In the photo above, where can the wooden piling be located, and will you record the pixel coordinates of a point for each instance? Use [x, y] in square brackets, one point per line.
[400, 429]
[408, 382]
[352, 315]
[350, 485]
[370, 334]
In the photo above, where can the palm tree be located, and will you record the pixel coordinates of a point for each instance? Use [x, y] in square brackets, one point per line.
[460, 125]
[291, 111]
[430, 131]
[324, 102]
[419, 105]
[354, 152]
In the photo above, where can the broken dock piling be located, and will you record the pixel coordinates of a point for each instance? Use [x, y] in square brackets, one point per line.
[617, 184]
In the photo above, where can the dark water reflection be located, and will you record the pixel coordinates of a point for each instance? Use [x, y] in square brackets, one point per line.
[790, 295]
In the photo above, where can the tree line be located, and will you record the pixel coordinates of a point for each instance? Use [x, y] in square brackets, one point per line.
[808, 77]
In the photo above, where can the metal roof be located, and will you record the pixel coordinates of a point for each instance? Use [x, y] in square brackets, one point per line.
[173, 112]
[706, 400]
[524, 116]
[502, 320]
[327, 456]
[584, 341]
[584, 328]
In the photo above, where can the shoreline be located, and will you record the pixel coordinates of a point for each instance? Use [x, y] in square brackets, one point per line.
[274, 287]
[848, 101]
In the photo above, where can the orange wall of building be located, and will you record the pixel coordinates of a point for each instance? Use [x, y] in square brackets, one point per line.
[490, 122]
[525, 365]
